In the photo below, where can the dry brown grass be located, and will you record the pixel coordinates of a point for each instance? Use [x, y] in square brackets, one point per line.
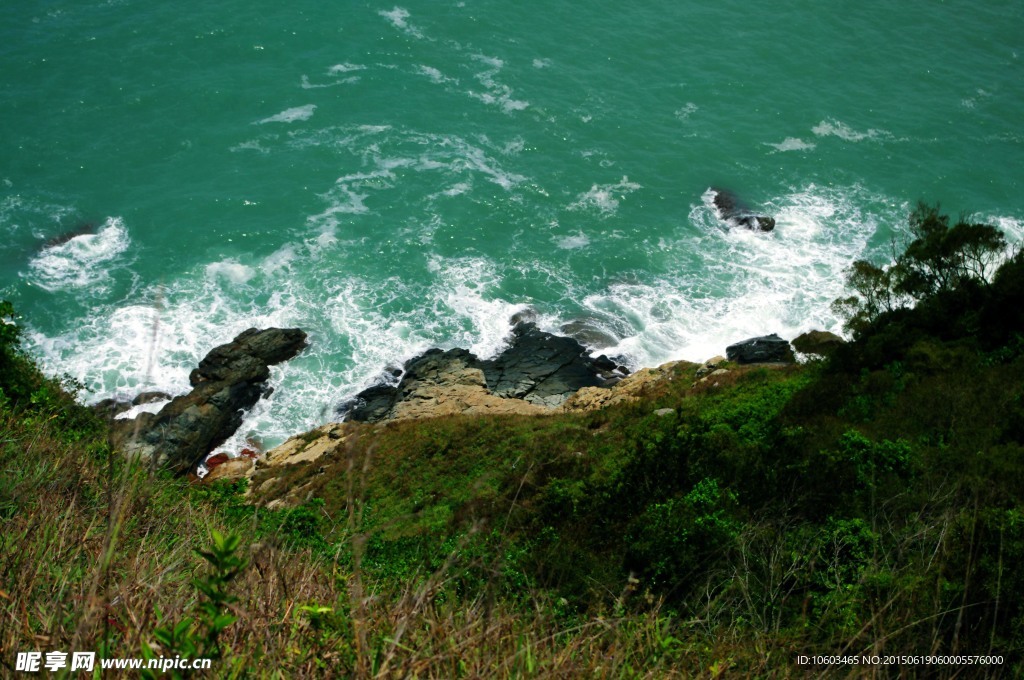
[94, 556]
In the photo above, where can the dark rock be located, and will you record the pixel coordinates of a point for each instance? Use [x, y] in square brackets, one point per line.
[821, 343]
[150, 397]
[589, 333]
[734, 212]
[108, 408]
[524, 316]
[539, 367]
[61, 239]
[372, 404]
[229, 380]
[765, 349]
[249, 354]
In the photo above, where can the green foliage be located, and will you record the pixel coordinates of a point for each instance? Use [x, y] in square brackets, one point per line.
[939, 259]
[672, 540]
[200, 636]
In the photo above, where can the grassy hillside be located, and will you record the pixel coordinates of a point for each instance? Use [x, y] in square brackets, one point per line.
[868, 504]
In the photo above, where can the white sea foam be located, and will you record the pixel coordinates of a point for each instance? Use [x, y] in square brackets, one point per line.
[1012, 227]
[298, 113]
[345, 68]
[464, 293]
[121, 350]
[280, 260]
[605, 197]
[399, 18]
[686, 110]
[434, 74]
[348, 196]
[834, 128]
[458, 189]
[749, 283]
[497, 94]
[307, 84]
[83, 262]
[251, 145]
[573, 241]
[793, 144]
[230, 270]
[495, 63]
[151, 407]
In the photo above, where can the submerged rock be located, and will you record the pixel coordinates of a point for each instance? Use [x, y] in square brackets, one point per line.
[230, 379]
[735, 212]
[764, 349]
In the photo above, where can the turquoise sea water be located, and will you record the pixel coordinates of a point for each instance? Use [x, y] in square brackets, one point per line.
[392, 178]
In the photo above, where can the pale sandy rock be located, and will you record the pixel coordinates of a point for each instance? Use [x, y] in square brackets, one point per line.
[236, 468]
[468, 397]
[308, 446]
[710, 365]
[628, 389]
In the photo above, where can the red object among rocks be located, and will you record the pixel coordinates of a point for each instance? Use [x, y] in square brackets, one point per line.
[217, 459]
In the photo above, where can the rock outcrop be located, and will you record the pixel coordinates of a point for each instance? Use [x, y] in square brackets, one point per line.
[538, 372]
[543, 369]
[821, 343]
[229, 380]
[761, 350]
[735, 212]
[628, 389]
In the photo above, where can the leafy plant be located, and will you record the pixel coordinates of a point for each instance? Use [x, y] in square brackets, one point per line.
[199, 637]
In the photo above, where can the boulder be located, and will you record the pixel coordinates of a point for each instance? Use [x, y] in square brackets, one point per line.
[589, 333]
[735, 212]
[231, 469]
[765, 349]
[231, 379]
[109, 408]
[821, 343]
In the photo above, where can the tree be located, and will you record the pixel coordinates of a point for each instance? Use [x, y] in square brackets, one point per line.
[938, 259]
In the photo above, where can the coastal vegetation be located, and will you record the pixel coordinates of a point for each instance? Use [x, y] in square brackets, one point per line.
[866, 503]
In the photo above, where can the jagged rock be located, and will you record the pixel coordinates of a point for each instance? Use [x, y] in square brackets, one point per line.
[538, 371]
[249, 354]
[542, 368]
[230, 379]
[372, 404]
[588, 333]
[821, 343]
[764, 349]
[108, 408]
[150, 397]
[734, 212]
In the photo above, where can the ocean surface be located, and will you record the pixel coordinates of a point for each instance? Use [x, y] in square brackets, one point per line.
[392, 178]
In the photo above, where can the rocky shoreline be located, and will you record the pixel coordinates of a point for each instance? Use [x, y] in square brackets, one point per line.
[538, 373]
